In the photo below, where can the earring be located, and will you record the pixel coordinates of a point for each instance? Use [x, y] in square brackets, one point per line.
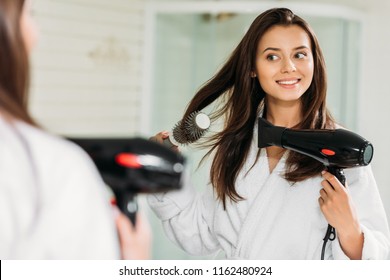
[253, 74]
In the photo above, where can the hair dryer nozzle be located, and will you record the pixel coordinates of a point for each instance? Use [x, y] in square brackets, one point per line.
[268, 134]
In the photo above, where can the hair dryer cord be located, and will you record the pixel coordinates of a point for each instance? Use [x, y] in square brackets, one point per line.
[330, 235]
[331, 232]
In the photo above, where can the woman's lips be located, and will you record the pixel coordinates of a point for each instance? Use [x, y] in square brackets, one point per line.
[288, 83]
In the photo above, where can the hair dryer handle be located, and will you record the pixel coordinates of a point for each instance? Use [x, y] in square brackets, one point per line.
[127, 203]
[331, 232]
[339, 173]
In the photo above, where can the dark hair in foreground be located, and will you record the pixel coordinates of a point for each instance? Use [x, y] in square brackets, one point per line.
[241, 98]
[14, 64]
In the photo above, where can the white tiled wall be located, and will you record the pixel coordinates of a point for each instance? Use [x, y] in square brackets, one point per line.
[86, 68]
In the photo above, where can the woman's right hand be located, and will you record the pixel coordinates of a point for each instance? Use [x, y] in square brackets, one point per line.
[135, 242]
[159, 138]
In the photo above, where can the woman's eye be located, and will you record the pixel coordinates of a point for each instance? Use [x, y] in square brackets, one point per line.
[272, 57]
[300, 55]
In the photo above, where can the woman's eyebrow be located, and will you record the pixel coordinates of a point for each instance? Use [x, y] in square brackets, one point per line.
[271, 49]
[301, 47]
[278, 49]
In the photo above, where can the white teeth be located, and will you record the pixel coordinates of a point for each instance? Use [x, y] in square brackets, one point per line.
[288, 82]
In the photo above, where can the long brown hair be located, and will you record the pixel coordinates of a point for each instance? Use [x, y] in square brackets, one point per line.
[241, 98]
[14, 63]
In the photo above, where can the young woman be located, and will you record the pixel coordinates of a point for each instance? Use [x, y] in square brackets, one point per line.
[53, 203]
[273, 203]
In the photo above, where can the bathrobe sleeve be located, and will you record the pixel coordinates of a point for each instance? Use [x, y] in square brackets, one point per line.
[187, 217]
[371, 214]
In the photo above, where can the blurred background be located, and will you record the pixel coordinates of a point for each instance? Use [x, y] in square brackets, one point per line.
[125, 68]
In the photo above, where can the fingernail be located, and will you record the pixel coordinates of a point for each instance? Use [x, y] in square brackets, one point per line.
[323, 172]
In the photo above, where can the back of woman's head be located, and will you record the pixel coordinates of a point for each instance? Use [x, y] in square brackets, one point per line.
[14, 65]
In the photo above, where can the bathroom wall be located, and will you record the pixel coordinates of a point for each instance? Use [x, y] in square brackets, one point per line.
[86, 69]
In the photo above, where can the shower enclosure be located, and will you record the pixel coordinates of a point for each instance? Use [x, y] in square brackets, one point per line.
[186, 42]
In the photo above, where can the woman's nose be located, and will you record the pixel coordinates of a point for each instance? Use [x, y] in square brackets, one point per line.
[288, 66]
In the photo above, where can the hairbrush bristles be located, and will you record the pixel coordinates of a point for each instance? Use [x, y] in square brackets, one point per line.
[178, 133]
[193, 128]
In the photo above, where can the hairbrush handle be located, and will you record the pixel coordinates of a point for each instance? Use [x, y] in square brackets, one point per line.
[170, 141]
[189, 130]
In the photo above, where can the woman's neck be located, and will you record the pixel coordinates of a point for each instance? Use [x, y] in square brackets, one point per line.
[288, 115]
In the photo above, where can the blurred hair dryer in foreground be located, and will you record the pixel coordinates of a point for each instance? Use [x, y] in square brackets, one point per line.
[134, 165]
[335, 148]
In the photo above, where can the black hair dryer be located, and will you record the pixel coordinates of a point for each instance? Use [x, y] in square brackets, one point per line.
[335, 148]
[134, 165]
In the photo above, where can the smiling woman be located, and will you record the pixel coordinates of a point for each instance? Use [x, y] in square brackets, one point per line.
[284, 65]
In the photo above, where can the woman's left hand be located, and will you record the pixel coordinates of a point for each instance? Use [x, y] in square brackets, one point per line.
[338, 209]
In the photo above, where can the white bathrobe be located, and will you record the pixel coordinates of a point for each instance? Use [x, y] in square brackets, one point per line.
[276, 220]
[53, 202]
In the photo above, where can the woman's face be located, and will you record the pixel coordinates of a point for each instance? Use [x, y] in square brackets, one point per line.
[284, 63]
[28, 27]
